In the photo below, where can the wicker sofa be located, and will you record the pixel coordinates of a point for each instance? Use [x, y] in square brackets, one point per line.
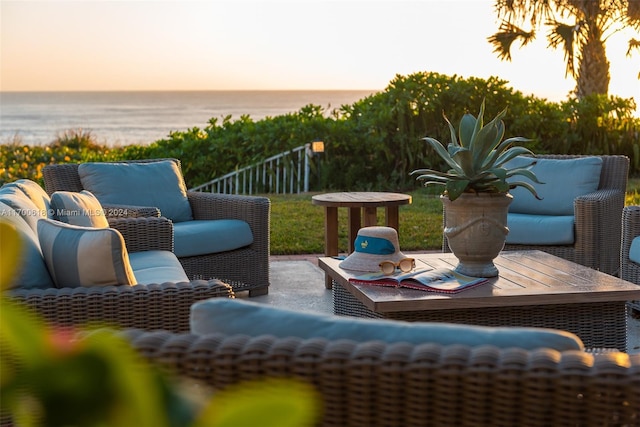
[245, 268]
[597, 227]
[376, 384]
[374, 372]
[149, 306]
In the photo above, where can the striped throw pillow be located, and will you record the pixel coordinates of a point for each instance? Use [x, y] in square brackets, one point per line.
[81, 209]
[84, 256]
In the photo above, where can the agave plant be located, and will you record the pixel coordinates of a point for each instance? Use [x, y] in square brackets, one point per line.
[477, 159]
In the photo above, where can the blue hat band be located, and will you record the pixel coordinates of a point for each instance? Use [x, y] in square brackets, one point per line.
[374, 245]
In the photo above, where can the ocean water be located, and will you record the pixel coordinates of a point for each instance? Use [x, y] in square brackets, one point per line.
[122, 118]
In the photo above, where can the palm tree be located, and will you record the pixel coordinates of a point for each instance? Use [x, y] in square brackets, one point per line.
[580, 27]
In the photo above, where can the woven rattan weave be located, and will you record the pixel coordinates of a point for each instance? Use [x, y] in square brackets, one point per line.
[245, 269]
[153, 306]
[376, 384]
[576, 318]
[630, 270]
[534, 288]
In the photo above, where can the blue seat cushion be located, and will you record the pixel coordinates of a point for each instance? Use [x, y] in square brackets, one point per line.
[233, 316]
[200, 237]
[156, 267]
[564, 180]
[525, 229]
[634, 250]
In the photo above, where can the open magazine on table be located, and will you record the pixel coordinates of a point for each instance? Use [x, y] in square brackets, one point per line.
[425, 279]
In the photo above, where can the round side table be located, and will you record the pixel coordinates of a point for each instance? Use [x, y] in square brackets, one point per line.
[362, 207]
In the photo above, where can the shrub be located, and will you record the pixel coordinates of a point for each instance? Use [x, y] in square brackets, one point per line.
[372, 144]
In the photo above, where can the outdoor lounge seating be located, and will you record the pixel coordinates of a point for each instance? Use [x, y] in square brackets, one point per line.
[578, 218]
[216, 235]
[391, 382]
[121, 274]
[630, 248]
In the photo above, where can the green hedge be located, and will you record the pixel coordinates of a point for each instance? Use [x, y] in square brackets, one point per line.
[373, 143]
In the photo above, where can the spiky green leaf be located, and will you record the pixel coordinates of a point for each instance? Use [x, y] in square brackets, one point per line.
[452, 131]
[524, 172]
[442, 152]
[478, 126]
[456, 188]
[467, 126]
[528, 186]
[464, 158]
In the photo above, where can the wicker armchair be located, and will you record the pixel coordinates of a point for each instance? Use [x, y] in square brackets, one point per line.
[378, 384]
[245, 269]
[630, 270]
[150, 307]
[597, 224]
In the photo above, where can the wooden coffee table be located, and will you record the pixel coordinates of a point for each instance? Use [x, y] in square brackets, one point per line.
[533, 289]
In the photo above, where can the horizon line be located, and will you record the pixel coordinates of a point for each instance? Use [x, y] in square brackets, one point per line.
[188, 90]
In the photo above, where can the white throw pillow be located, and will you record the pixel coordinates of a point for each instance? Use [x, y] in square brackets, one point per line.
[84, 256]
[81, 209]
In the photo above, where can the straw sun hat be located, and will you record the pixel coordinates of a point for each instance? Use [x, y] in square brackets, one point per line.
[372, 246]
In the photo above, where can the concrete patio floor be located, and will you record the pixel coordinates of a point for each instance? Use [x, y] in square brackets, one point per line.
[298, 283]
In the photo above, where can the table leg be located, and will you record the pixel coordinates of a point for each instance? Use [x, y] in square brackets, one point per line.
[392, 217]
[370, 217]
[330, 236]
[354, 226]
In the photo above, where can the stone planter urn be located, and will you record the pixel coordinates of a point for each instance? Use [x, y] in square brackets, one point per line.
[476, 230]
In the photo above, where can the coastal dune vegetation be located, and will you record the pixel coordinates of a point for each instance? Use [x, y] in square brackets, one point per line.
[372, 144]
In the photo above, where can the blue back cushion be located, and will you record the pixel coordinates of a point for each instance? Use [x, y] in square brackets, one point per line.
[157, 184]
[564, 180]
[32, 272]
[233, 316]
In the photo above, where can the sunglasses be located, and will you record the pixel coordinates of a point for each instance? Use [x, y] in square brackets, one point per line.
[405, 265]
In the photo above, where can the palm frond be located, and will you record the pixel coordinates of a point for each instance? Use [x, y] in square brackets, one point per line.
[564, 35]
[633, 11]
[505, 37]
[633, 44]
[533, 11]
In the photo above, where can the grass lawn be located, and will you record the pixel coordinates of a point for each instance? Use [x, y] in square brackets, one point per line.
[297, 226]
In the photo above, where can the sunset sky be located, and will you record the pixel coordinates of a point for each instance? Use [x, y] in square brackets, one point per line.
[248, 44]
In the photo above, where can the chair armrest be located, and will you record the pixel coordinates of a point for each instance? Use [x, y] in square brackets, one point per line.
[255, 210]
[129, 211]
[227, 206]
[145, 233]
[598, 229]
[149, 307]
